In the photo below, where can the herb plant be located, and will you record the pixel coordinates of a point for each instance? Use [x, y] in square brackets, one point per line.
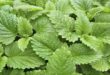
[54, 37]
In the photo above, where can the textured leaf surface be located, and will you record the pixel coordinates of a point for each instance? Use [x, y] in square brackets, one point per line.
[22, 60]
[1, 50]
[101, 29]
[82, 4]
[88, 70]
[61, 21]
[60, 62]
[101, 65]
[64, 6]
[83, 54]
[94, 11]
[17, 72]
[8, 27]
[45, 44]
[50, 6]
[18, 5]
[3, 61]
[70, 36]
[82, 24]
[43, 25]
[24, 27]
[23, 43]
[92, 42]
[36, 72]
[102, 17]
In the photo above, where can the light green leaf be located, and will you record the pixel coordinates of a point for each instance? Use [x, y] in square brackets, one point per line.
[3, 61]
[102, 17]
[24, 27]
[23, 43]
[64, 6]
[82, 4]
[41, 3]
[83, 54]
[18, 5]
[88, 70]
[102, 31]
[3, 2]
[101, 65]
[76, 73]
[45, 44]
[22, 60]
[1, 50]
[83, 26]
[7, 8]
[50, 5]
[36, 14]
[43, 25]
[94, 11]
[36, 72]
[60, 63]
[8, 27]
[92, 42]
[68, 35]
[61, 21]
[17, 72]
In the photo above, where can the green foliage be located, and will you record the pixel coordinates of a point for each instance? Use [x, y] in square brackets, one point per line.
[54, 37]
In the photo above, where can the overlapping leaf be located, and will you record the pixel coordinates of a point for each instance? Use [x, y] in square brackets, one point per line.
[8, 27]
[83, 54]
[22, 60]
[3, 61]
[101, 65]
[61, 63]
[45, 44]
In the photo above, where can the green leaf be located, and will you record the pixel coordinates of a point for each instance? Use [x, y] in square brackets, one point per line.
[102, 31]
[82, 4]
[44, 44]
[101, 65]
[88, 70]
[83, 54]
[60, 63]
[41, 3]
[22, 60]
[23, 43]
[102, 17]
[1, 50]
[43, 25]
[50, 5]
[18, 5]
[83, 26]
[6, 72]
[61, 21]
[3, 2]
[17, 72]
[7, 8]
[68, 35]
[36, 72]
[24, 27]
[8, 27]
[36, 14]
[92, 42]
[76, 73]
[93, 12]
[64, 6]
[3, 61]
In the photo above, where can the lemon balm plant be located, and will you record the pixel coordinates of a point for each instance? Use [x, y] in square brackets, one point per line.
[54, 37]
